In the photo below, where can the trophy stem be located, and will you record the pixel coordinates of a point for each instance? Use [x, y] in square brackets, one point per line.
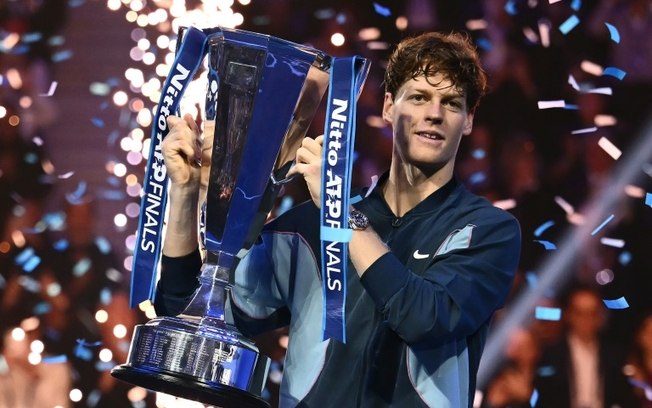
[208, 303]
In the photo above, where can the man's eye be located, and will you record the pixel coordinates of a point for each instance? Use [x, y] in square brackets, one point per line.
[418, 98]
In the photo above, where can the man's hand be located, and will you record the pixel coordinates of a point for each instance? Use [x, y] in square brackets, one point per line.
[308, 163]
[182, 151]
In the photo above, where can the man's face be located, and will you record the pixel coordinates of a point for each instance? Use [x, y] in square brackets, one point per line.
[429, 118]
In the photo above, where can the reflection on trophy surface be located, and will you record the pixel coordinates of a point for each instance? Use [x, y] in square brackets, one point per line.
[267, 92]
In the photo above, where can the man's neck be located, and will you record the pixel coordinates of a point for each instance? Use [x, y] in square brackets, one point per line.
[407, 186]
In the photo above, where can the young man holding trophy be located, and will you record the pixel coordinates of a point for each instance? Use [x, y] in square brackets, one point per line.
[432, 261]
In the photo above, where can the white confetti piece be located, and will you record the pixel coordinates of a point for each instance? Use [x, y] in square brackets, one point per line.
[612, 242]
[584, 130]
[610, 148]
[551, 104]
[568, 209]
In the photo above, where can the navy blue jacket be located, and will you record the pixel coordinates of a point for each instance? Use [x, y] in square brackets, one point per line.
[416, 321]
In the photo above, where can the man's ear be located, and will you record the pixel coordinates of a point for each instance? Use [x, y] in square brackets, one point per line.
[388, 106]
[468, 124]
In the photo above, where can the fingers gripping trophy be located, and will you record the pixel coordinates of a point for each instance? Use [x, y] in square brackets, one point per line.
[262, 95]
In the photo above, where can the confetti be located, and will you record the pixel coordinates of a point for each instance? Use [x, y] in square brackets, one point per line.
[546, 244]
[648, 199]
[62, 56]
[568, 209]
[506, 204]
[614, 72]
[609, 147]
[613, 33]
[97, 122]
[612, 242]
[605, 222]
[569, 24]
[604, 120]
[383, 11]
[534, 398]
[551, 104]
[532, 279]
[53, 87]
[584, 130]
[576, 5]
[620, 303]
[547, 313]
[57, 359]
[510, 7]
[624, 258]
[543, 227]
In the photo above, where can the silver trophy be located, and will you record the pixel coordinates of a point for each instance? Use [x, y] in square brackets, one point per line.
[263, 94]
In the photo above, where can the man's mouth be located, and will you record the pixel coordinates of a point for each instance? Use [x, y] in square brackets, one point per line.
[431, 135]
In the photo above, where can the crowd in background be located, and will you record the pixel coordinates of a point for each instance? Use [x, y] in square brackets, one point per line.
[59, 270]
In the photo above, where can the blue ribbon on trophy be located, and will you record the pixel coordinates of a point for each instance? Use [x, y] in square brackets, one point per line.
[154, 200]
[346, 81]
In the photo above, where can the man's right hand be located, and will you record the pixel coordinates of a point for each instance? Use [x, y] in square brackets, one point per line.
[182, 151]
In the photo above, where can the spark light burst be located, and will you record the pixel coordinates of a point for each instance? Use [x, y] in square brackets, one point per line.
[157, 24]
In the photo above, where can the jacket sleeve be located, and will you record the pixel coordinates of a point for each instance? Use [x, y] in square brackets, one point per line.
[177, 283]
[256, 302]
[457, 294]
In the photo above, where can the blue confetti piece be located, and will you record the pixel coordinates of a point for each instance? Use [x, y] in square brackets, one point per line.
[570, 106]
[97, 122]
[104, 365]
[575, 5]
[383, 11]
[484, 44]
[477, 177]
[103, 245]
[61, 244]
[106, 296]
[543, 227]
[547, 313]
[32, 37]
[648, 199]
[76, 196]
[534, 398]
[624, 258]
[532, 279]
[30, 285]
[546, 371]
[32, 264]
[546, 244]
[81, 267]
[605, 222]
[614, 72]
[83, 352]
[478, 154]
[620, 303]
[30, 158]
[58, 359]
[42, 308]
[510, 7]
[613, 33]
[570, 23]
[62, 56]
[113, 195]
[24, 256]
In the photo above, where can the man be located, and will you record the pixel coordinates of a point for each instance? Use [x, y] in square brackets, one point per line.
[433, 261]
[584, 369]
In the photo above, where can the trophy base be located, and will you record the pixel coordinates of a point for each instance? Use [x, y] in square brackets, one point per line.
[217, 395]
[212, 365]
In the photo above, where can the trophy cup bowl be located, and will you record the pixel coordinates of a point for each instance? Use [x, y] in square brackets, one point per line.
[263, 94]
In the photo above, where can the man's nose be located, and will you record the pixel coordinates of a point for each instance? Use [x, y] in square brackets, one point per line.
[434, 112]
